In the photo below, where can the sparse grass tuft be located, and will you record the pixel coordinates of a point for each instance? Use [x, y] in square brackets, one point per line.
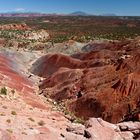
[13, 91]
[41, 123]
[31, 119]
[5, 107]
[13, 113]
[8, 121]
[79, 120]
[2, 114]
[10, 130]
[24, 133]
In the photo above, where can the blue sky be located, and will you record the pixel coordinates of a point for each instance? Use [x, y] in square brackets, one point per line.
[119, 7]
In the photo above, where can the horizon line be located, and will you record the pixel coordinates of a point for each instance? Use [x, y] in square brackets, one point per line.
[70, 13]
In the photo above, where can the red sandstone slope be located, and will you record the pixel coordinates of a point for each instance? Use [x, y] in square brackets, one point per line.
[97, 84]
[113, 103]
[9, 77]
[49, 64]
[24, 114]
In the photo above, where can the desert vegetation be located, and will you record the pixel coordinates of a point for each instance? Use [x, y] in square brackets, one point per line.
[81, 29]
[3, 91]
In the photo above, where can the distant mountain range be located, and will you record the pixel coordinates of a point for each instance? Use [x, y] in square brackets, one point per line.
[79, 13]
[31, 14]
[109, 14]
[15, 14]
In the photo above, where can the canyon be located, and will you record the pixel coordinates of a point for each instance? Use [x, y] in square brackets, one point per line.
[71, 93]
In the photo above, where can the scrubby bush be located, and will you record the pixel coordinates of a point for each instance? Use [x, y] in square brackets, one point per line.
[3, 91]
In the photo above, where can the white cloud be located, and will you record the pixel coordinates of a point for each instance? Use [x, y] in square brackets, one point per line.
[19, 9]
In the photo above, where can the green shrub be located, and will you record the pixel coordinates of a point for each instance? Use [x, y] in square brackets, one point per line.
[3, 91]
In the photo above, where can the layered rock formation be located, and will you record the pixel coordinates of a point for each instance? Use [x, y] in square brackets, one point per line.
[101, 83]
[69, 47]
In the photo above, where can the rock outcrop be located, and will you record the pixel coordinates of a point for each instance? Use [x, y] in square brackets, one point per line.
[14, 27]
[40, 35]
[97, 129]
